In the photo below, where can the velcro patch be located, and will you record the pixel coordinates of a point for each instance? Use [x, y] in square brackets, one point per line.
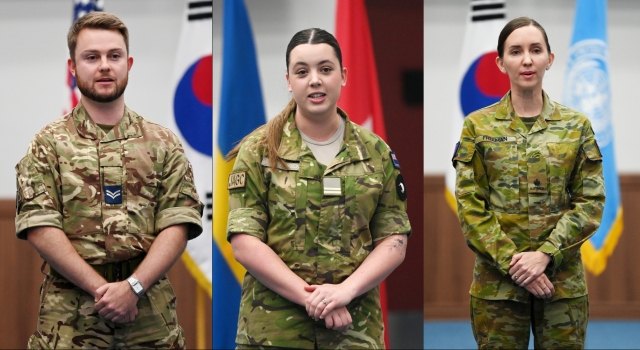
[113, 194]
[396, 164]
[237, 180]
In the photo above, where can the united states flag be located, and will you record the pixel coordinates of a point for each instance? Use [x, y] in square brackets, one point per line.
[80, 8]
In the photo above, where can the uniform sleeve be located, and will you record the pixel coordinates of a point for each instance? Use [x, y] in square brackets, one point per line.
[37, 184]
[480, 226]
[587, 191]
[390, 216]
[178, 201]
[247, 194]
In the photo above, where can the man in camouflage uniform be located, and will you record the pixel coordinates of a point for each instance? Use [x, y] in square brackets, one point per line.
[322, 222]
[107, 199]
[528, 189]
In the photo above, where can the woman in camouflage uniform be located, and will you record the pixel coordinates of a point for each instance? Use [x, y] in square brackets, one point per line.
[530, 191]
[317, 214]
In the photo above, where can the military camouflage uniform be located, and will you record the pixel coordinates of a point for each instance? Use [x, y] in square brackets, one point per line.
[70, 180]
[522, 190]
[322, 238]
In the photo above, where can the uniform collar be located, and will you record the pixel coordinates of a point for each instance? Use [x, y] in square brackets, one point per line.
[127, 127]
[549, 112]
[352, 146]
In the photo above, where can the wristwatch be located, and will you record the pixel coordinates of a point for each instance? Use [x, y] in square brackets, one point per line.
[136, 286]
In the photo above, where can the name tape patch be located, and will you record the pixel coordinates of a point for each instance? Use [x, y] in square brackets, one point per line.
[237, 180]
[485, 138]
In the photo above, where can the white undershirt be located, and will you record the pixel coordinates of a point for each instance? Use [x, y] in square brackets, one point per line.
[325, 151]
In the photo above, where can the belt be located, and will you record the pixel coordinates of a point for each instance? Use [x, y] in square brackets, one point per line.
[112, 272]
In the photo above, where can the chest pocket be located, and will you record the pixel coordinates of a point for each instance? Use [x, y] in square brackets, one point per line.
[362, 196]
[501, 162]
[561, 159]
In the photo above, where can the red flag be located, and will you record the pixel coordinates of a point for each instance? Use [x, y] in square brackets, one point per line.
[360, 98]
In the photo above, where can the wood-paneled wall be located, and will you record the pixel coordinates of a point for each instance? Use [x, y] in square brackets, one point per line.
[448, 262]
[21, 278]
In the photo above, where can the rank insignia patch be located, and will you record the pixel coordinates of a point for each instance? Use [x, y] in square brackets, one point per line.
[113, 194]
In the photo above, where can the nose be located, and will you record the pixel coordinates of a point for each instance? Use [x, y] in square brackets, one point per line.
[104, 64]
[314, 79]
[527, 59]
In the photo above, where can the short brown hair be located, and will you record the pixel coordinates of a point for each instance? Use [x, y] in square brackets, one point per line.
[515, 24]
[95, 20]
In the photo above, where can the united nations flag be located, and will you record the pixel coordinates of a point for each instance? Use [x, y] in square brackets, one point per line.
[587, 90]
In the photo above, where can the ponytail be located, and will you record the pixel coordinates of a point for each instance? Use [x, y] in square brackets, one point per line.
[271, 137]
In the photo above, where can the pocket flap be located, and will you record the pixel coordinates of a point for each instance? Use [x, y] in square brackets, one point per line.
[592, 150]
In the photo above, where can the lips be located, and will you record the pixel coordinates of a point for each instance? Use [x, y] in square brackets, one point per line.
[317, 96]
[527, 74]
[105, 80]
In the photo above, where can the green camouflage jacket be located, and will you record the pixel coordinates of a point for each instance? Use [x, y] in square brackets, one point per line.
[110, 193]
[322, 222]
[520, 191]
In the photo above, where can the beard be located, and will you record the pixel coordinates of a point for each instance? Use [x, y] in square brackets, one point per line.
[89, 91]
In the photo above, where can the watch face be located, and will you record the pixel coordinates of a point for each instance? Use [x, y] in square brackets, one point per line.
[137, 288]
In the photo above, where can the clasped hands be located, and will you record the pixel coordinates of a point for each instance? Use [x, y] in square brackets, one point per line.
[328, 302]
[116, 302]
[527, 270]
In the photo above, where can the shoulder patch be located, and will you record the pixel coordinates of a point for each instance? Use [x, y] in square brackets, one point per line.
[401, 188]
[237, 179]
[396, 164]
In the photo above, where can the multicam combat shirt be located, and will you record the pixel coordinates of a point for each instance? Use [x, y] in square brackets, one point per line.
[111, 193]
[322, 222]
[522, 190]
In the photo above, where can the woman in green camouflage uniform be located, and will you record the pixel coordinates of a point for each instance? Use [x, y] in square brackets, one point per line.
[530, 191]
[316, 214]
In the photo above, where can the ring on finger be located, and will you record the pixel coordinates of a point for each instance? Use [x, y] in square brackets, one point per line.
[324, 301]
[515, 278]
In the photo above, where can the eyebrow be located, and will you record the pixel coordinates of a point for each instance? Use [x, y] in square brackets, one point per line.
[519, 46]
[300, 63]
[93, 51]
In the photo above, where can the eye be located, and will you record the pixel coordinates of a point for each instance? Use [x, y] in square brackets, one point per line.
[301, 72]
[115, 56]
[91, 58]
[326, 69]
[515, 52]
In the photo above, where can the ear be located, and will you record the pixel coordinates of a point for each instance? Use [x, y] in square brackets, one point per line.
[72, 67]
[344, 76]
[129, 63]
[286, 75]
[552, 57]
[500, 65]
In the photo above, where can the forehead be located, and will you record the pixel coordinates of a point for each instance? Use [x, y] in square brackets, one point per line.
[312, 53]
[525, 35]
[99, 39]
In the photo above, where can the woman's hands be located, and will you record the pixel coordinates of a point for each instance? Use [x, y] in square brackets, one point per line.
[325, 298]
[527, 271]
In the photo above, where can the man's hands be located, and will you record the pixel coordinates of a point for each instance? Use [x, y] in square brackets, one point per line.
[116, 302]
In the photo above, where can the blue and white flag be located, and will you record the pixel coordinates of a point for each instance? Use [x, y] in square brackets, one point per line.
[587, 90]
[480, 81]
[241, 111]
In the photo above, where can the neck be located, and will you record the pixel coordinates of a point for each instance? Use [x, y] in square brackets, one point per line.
[527, 103]
[318, 129]
[108, 113]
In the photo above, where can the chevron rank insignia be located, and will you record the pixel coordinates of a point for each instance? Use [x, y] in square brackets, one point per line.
[113, 194]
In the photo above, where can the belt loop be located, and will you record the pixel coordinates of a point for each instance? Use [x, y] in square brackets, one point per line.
[129, 272]
[105, 273]
[118, 272]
